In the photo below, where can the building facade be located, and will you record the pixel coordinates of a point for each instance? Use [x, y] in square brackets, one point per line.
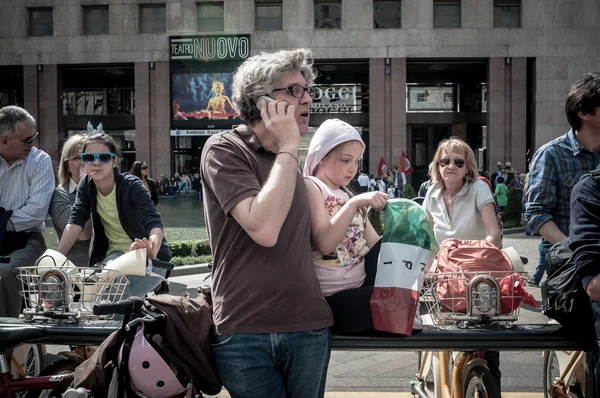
[406, 73]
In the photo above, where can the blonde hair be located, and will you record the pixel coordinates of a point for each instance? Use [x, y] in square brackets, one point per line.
[72, 147]
[455, 144]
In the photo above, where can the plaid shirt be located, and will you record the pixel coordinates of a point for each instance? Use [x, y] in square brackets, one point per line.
[556, 167]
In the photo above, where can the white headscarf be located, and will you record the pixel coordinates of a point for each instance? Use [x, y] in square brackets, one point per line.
[330, 134]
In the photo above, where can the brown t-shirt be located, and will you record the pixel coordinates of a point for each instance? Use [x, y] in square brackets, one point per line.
[257, 289]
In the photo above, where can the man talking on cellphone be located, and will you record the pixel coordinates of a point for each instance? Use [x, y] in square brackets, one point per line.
[272, 336]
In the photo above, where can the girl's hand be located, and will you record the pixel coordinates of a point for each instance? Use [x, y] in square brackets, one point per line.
[376, 199]
[144, 243]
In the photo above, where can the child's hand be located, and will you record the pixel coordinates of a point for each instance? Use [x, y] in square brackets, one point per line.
[376, 199]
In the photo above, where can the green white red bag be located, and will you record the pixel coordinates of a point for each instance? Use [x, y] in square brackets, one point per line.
[408, 247]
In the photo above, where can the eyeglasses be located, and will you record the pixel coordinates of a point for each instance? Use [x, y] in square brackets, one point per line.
[297, 91]
[144, 167]
[444, 162]
[29, 141]
[104, 157]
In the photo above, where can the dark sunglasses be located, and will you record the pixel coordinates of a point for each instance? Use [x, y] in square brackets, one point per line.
[444, 162]
[29, 141]
[104, 157]
[144, 167]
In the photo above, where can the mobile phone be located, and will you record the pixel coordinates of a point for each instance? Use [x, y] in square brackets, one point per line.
[263, 98]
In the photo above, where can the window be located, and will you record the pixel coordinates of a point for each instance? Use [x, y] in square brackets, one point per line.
[95, 20]
[93, 102]
[152, 18]
[446, 13]
[268, 15]
[210, 17]
[386, 14]
[40, 21]
[507, 13]
[328, 14]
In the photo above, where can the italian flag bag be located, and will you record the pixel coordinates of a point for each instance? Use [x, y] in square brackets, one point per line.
[408, 246]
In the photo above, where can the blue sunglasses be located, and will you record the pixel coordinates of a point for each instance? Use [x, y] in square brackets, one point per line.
[104, 157]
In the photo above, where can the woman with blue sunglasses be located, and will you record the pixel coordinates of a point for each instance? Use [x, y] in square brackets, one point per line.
[123, 215]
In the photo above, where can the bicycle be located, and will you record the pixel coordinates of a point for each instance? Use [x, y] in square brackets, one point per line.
[26, 359]
[465, 374]
[564, 374]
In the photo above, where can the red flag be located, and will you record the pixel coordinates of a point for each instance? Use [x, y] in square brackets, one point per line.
[405, 165]
[382, 169]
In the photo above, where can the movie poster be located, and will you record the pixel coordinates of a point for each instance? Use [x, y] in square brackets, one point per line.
[201, 97]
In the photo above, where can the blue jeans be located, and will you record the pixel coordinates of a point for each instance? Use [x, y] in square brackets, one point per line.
[541, 265]
[277, 365]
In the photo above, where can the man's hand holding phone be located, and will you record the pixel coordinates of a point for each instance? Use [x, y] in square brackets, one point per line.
[279, 118]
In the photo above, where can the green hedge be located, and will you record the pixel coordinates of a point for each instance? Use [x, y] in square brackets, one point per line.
[191, 260]
[181, 248]
[511, 216]
[202, 248]
[375, 219]
[409, 192]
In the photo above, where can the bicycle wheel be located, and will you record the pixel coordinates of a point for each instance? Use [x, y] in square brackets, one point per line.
[551, 371]
[479, 383]
[26, 361]
[60, 367]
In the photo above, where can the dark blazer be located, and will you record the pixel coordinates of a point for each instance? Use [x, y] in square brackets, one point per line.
[137, 214]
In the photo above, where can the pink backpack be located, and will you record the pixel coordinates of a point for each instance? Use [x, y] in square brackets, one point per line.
[463, 258]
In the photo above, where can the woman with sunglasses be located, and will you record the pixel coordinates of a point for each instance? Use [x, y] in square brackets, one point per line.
[140, 170]
[123, 215]
[461, 206]
[70, 172]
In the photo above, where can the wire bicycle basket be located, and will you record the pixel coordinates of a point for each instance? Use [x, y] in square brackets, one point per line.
[68, 292]
[473, 297]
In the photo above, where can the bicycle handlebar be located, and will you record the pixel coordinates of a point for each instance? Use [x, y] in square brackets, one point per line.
[124, 307]
[156, 263]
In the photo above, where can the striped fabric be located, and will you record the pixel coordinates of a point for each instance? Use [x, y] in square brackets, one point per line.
[26, 187]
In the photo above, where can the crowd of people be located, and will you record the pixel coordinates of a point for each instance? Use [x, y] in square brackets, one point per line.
[301, 237]
[180, 183]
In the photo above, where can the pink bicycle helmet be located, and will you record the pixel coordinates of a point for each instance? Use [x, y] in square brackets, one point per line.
[150, 376]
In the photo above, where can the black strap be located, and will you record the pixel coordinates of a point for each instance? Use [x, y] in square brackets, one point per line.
[124, 377]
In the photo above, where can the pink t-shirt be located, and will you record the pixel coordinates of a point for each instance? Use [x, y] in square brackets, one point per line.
[344, 268]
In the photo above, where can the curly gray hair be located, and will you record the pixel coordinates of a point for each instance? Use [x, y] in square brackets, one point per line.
[261, 74]
[10, 116]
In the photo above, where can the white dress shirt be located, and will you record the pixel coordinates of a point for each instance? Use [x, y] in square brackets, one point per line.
[26, 187]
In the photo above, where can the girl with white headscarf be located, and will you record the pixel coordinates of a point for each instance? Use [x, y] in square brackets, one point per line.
[341, 232]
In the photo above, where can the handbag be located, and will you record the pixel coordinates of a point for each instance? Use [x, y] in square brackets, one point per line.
[563, 296]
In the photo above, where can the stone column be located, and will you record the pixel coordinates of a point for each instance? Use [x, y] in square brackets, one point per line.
[377, 114]
[397, 130]
[143, 94]
[507, 111]
[518, 112]
[161, 134]
[49, 109]
[496, 113]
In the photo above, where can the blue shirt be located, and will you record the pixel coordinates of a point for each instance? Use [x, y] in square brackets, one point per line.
[26, 187]
[555, 169]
